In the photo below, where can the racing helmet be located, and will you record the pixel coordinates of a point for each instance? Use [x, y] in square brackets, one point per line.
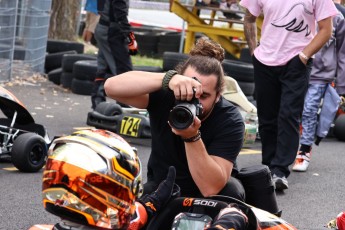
[92, 177]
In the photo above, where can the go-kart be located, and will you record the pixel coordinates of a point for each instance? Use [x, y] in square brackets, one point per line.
[135, 122]
[257, 218]
[21, 139]
[210, 207]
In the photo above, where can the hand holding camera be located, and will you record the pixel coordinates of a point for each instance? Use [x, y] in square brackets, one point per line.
[184, 112]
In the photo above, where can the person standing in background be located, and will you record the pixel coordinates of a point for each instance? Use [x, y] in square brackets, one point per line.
[282, 63]
[117, 43]
[328, 65]
[91, 21]
[105, 61]
[340, 7]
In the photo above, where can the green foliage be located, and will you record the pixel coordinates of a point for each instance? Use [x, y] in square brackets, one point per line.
[145, 61]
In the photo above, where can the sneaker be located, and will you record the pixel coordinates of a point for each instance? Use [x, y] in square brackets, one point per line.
[302, 162]
[280, 183]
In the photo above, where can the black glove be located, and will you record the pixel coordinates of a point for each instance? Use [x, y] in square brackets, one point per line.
[230, 217]
[166, 190]
[132, 44]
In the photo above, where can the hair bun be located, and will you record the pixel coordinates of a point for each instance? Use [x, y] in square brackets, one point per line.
[209, 48]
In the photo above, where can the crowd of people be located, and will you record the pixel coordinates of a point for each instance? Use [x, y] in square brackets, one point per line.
[299, 55]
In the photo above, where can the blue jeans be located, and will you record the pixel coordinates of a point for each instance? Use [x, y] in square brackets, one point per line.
[309, 117]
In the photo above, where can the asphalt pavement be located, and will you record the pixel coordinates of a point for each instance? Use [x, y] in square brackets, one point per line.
[314, 197]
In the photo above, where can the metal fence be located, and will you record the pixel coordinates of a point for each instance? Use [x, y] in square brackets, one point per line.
[31, 35]
[7, 33]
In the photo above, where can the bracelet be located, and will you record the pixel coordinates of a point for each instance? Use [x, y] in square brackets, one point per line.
[305, 57]
[167, 77]
[193, 138]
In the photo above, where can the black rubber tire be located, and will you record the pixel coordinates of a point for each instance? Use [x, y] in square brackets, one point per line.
[339, 127]
[55, 75]
[81, 87]
[85, 70]
[247, 87]
[29, 152]
[109, 108]
[68, 60]
[54, 60]
[238, 70]
[245, 56]
[56, 46]
[172, 59]
[155, 69]
[66, 79]
[147, 43]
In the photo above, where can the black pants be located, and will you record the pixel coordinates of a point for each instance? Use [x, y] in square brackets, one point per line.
[119, 49]
[233, 188]
[280, 92]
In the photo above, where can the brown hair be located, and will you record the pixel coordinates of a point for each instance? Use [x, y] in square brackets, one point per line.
[206, 57]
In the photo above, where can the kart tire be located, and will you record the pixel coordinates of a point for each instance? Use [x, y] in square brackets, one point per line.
[55, 76]
[29, 152]
[55, 46]
[339, 127]
[66, 80]
[81, 87]
[172, 59]
[68, 60]
[85, 70]
[239, 70]
[54, 60]
[108, 109]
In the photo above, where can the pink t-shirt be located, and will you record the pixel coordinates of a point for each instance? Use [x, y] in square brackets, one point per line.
[288, 27]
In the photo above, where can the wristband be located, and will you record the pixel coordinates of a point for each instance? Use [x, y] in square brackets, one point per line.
[305, 57]
[193, 138]
[167, 77]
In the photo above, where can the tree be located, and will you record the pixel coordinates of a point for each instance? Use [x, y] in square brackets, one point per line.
[64, 19]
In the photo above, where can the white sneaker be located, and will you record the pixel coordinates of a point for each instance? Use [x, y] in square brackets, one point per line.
[280, 183]
[302, 162]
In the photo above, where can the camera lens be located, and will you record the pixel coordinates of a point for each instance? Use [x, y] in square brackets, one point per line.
[181, 117]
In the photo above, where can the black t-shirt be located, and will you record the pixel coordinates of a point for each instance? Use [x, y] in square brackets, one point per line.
[222, 133]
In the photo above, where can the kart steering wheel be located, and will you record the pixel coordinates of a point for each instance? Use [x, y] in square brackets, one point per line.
[209, 206]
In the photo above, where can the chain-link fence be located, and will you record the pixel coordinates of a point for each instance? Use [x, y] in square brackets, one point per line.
[7, 33]
[31, 36]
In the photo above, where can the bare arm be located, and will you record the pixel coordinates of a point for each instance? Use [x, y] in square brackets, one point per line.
[323, 35]
[210, 173]
[250, 31]
[133, 87]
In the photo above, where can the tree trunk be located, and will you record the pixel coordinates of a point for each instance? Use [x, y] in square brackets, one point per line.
[64, 19]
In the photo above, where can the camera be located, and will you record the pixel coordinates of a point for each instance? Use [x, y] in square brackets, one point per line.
[182, 114]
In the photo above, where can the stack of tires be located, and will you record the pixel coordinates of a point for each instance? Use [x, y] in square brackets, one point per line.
[243, 73]
[68, 65]
[56, 49]
[84, 72]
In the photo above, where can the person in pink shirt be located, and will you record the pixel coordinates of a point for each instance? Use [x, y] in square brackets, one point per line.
[282, 60]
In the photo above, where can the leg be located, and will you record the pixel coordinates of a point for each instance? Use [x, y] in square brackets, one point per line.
[294, 87]
[268, 91]
[310, 109]
[235, 189]
[119, 50]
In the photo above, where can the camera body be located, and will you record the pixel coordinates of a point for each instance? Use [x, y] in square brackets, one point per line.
[182, 114]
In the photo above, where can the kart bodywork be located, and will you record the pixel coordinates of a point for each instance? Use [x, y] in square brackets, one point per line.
[21, 139]
[135, 122]
[258, 219]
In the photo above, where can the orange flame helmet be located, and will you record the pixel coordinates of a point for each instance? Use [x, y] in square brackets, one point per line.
[92, 177]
